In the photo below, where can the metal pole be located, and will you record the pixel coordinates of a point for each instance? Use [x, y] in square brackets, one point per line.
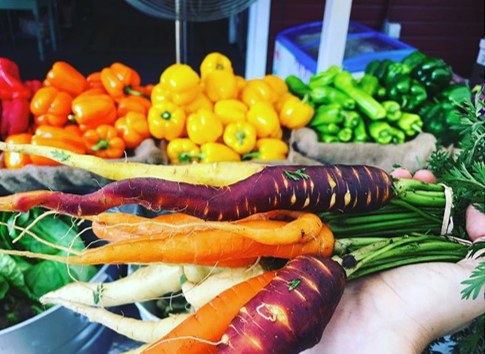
[334, 34]
[257, 40]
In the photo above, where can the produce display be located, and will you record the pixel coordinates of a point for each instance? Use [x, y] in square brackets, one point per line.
[268, 254]
[390, 104]
[214, 116]
[244, 256]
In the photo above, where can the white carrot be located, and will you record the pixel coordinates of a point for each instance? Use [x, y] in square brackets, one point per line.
[141, 331]
[146, 283]
[199, 294]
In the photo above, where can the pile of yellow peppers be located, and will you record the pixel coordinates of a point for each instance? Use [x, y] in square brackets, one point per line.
[219, 116]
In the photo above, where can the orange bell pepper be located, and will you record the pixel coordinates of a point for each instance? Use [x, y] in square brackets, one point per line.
[133, 104]
[51, 107]
[257, 90]
[133, 129]
[94, 91]
[65, 78]
[68, 138]
[120, 80]
[220, 85]
[104, 142]
[215, 62]
[92, 111]
[94, 80]
[14, 160]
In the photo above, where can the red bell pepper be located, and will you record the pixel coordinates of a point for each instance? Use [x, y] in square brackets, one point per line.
[15, 117]
[33, 86]
[11, 85]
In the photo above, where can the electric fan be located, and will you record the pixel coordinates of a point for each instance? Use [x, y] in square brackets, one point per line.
[189, 10]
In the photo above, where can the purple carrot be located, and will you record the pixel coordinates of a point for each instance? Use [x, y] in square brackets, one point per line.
[309, 188]
[290, 314]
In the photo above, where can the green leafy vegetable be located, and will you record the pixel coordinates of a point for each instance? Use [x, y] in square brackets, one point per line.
[4, 287]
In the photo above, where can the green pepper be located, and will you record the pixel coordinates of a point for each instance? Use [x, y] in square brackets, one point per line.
[360, 133]
[366, 103]
[330, 128]
[327, 95]
[381, 72]
[414, 59]
[456, 93]
[398, 136]
[393, 110]
[351, 119]
[345, 135]
[433, 73]
[369, 84]
[410, 123]
[381, 93]
[396, 69]
[378, 68]
[324, 78]
[438, 120]
[372, 67]
[296, 86]
[327, 138]
[380, 132]
[327, 114]
[408, 92]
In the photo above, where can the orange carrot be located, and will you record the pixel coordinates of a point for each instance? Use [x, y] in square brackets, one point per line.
[114, 227]
[207, 325]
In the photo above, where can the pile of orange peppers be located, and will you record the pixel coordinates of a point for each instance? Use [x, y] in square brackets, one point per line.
[102, 114]
[219, 116]
[207, 117]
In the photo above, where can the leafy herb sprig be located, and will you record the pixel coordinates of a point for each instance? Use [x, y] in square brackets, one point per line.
[465, 174]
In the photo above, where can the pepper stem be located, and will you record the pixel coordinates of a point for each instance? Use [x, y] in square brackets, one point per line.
[251, 155]
[102, 144]
[187, 157]
[240, 136]
[128, 90]
[416, 128]
[166, 115]
[72, 119]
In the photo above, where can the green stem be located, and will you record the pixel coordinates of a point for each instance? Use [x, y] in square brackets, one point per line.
[254, 154]
[420, 211]
[385, 225]
[356, 220]
[408, 184]
[128, 90]
[442, 258]
[102, 144]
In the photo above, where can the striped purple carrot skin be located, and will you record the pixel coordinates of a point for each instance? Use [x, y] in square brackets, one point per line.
[308, 188]
[290, 314]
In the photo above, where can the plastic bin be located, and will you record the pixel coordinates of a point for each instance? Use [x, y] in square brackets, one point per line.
[296, 49]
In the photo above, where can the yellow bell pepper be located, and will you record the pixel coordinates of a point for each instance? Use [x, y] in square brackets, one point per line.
[281, 100]
[182, 83]
[257, 90]
[217, 152]
[264, 118]
[295, 114]
[278, 134]
[268, 150]
[220, 85]
[241, 83]
[182, 150]
[215, 61]
[204, 127]
[230, 111]
[240, 136]
[159, 94]
[277, 84]
[166, 121]
[200, 102]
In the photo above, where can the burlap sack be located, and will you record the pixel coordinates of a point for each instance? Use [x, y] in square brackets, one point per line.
[306, 149]
[71, 180]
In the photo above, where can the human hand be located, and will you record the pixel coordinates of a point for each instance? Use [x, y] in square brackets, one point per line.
[402, 310]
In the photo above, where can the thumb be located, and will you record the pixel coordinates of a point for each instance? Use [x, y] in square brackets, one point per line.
[475, 223]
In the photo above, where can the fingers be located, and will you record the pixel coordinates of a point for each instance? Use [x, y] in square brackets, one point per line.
[421, 175]
[475, 223]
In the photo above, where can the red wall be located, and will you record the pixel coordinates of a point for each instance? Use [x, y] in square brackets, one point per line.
[449, 29]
